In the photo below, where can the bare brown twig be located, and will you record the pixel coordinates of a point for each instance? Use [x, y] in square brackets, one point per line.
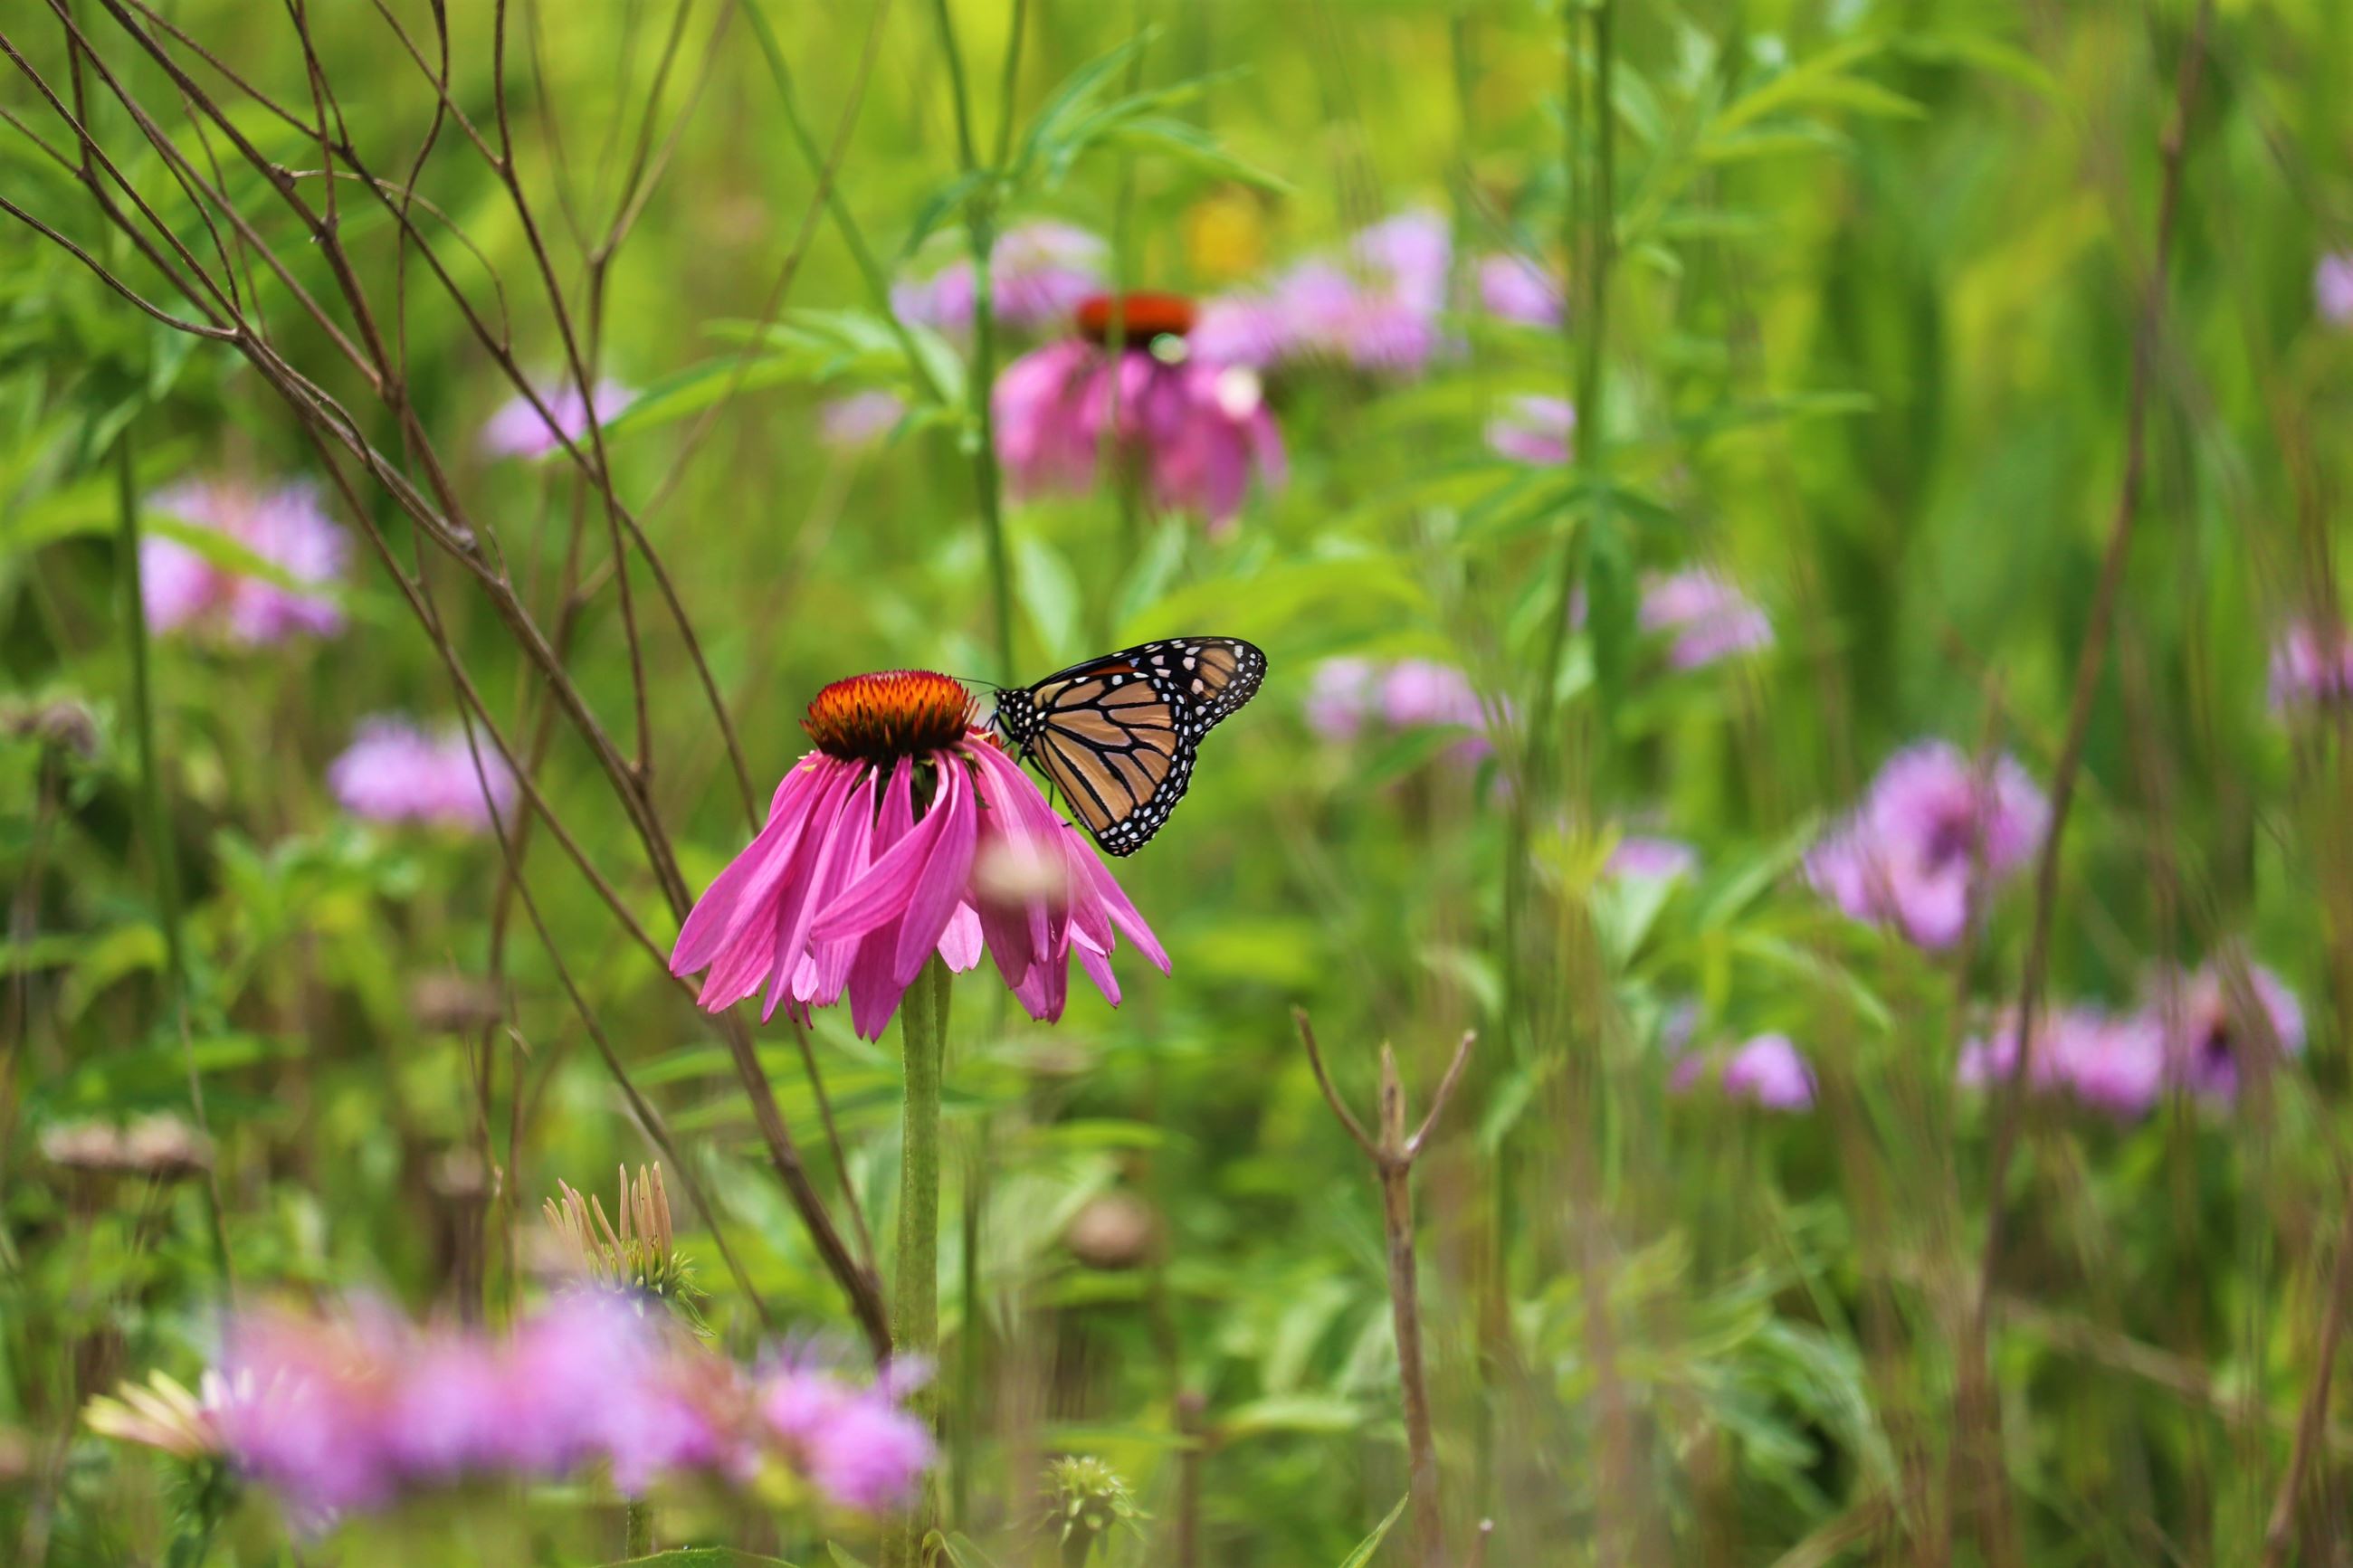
[1393, 1153]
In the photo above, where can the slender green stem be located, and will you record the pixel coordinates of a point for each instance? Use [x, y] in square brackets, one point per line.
[915, 1294]
[1586, 333]
[153, 823]
[980, 236]
[638, 1526]
[870, 268]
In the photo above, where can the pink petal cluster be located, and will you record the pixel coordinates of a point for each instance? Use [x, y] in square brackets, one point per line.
[518, 429]
[1764, 1068]
[1536, 430]
[2212, 1030]
[396, 772]
[848, 889]
[1706, 617]
[2111, 1062]
[1515, 289]
[2311, 666]
[1038, 273]
[1649, 857]
[351, 1413]
[1348, 694]
[1194, 431]
[2332, 288]
[1909, 853]
[1378, 309]
[183, 591]
[860, 419]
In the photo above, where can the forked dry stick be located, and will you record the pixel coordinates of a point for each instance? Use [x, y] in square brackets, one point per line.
[1393, 1153]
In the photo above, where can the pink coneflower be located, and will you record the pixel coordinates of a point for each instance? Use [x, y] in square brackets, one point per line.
[2311, 666]
[285, 527]
[1516, 289]
[1535, 431]
[1038, 273]
[1191, 430]
[1377, 310]
[907, 831]
[1346, 694]
[2211, 1029]
[1651, 858]
[1705, 616]
[2332, 288]
[2110, 1062]
[394, 772]
[519, 430]
[1765, 1069]
[1907, 852]
[860, 419]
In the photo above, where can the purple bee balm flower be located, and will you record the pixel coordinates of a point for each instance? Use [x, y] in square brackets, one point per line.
[2111, 1063]
[1651, 858]
[1346, 694]
[285, 527]
[394, 772]
[306, 1417]
[1516, 289]
[861, 1448]
[1907, 852]
[2332, 288]
[2211, 1029]
[1769, 1071]
[860, 419]
[1195, 431]
[519, 430]
[1038, 273]
[1765, 1069]
[2311, 667]
[1378, 310]
[1705, 616]
[1536, 431]
[848, 891]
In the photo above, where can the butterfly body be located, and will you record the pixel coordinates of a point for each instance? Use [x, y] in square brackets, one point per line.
[1117, 734]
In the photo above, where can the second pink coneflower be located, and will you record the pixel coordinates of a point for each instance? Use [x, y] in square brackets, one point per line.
[907, 831]
[1192, 433]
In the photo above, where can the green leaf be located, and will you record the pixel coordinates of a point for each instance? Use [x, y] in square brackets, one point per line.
[1315, 1414]
[1191, 146]
[842, 1557]
[1372, 1543]
[1049, 593]
[701, 1557]
[1057, 117]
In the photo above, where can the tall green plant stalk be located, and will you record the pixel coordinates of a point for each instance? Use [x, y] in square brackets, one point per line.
[915, 1294]
[980, 240]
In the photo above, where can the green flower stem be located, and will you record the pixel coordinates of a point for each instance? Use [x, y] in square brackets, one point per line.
[915, 1294]
[638, 1523]
[980, 236]
[152, 823]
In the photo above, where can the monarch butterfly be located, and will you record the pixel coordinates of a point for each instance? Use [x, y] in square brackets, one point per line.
[1116, 734]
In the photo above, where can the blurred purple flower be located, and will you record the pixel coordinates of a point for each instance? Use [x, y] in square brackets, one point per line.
[348, 1413]
[2311, 666]
[861, 1448]
[395, 771]
[1536, 431]
[2209, 1034]
[286, 527]
[1345, 694]
[1194, 430]
[1708, 618]
[519, 430]
[1379, 311]
[2332, 288]
[1765, 1069]
[1905, 853]
[1650, 857]
[1039, 272]
[860, 419]
[1518, 290]
[2110, 1062]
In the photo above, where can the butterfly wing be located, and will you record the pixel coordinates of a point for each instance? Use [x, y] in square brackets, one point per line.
[1117, 734]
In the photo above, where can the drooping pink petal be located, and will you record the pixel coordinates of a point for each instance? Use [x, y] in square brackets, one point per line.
[797, 905]
[751, 877]
[945, 877]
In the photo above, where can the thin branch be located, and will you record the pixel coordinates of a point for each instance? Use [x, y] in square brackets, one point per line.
[1331, 1096]
[97, 269]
